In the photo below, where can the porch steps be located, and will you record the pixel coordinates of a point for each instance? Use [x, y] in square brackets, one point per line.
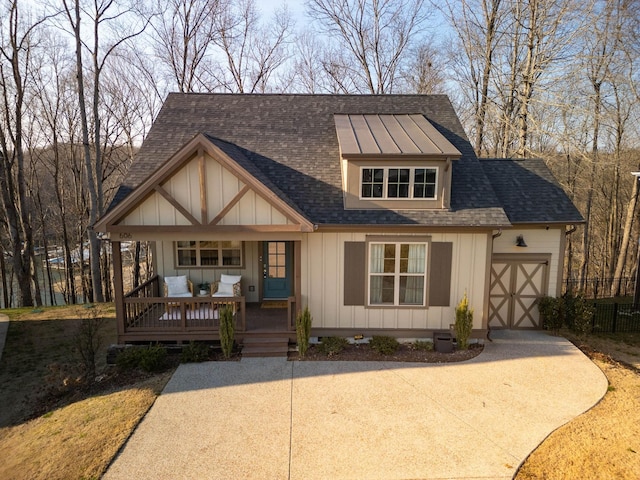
[265, 347]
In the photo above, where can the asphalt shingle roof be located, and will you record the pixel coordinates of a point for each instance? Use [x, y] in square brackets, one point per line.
[289, 143]
[529, 192]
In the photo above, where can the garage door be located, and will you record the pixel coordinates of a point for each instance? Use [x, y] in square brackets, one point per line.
[517, 281]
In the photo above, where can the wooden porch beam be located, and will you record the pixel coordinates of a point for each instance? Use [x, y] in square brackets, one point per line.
[118, 286]
[176, 205]
[204, 214]
[186, 229]
[297, 265]
[230, 205]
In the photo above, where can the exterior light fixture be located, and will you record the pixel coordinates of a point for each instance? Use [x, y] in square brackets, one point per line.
[520, 241]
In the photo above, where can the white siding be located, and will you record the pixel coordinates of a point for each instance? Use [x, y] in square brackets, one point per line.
[323, 284]
[251, 274]
[222, 187]
[538, 240]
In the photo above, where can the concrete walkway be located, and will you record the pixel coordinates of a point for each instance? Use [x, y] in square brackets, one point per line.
[273, 419]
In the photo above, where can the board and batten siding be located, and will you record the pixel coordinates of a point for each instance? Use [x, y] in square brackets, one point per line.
[251, 273]
[538, 240]
[323, 278]
[221, 186]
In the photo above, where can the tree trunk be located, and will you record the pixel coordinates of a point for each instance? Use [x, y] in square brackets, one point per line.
[626, 238]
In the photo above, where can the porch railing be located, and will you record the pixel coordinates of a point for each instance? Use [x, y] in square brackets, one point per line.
[146, 311]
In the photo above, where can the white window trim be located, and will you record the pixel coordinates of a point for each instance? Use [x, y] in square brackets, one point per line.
[397, 274]
[385, 184]
[199, 258]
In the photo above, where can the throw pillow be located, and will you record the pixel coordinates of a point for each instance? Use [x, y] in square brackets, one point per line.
[176, 285]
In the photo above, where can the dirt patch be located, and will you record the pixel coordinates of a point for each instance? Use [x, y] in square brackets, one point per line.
[406, 353]
[624, 347]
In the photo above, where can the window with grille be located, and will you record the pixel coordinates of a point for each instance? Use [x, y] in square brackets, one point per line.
[209, 253]
[399, 183]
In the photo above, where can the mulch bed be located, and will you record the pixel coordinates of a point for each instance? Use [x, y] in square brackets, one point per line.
[405, 353]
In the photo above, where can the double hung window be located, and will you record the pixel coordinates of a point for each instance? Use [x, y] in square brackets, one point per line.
[407, 182]
[397, 273]
[207, 253]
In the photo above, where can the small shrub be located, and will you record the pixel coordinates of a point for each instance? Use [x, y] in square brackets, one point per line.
[154, 358]
[552, 312]
[464, 323]
[303, 330]
[384, 345]
[129, 358]
[422, 345]
[194, 353]
[149, 359]
[227, 331]
[332, 345]
[582, 315]
[88, 340]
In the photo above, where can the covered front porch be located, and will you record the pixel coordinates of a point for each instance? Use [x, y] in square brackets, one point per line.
[147, 314]
[206, 216]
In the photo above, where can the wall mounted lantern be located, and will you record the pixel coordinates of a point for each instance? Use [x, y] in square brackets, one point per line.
[520, 241]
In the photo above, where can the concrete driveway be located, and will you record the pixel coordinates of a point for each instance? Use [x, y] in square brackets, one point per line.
[273, 419]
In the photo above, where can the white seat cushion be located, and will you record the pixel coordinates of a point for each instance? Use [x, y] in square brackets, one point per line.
[186, 294]
[177, 286]
[225, 289]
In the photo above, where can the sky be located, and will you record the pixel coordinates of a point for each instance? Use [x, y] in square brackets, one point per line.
[296, 8]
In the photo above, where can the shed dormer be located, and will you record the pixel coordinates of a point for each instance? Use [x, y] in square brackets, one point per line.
[398, 162]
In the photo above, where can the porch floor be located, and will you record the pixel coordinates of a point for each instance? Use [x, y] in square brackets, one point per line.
[265, 319]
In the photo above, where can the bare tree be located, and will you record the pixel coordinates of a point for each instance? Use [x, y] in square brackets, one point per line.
[52, 94]
[424, 73]
[252, 52]
[477, 24]
[600, 47]
[101, 14]
[183, 36]
[373, 38]
[307, 66]
[548, 30]
[15, 74]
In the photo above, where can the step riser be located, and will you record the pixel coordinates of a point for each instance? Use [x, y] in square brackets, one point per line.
[265, 347]
[263, 355]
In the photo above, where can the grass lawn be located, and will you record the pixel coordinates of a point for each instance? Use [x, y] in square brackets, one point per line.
[47, 431]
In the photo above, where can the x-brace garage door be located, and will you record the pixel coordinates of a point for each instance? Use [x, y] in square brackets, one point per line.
[517, 281]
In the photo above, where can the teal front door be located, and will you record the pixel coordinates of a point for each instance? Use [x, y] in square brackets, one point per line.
[276, 270]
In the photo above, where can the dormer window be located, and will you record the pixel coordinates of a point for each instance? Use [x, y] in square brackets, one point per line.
[407, 182]
[394, 162]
